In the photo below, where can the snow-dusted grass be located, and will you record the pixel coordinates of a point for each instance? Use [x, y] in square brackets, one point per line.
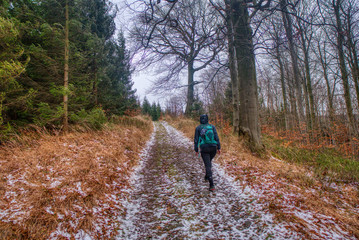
[309, 206]
[66, 187]
[170, 199]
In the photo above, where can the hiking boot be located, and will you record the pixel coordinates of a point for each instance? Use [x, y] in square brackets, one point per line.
[211, 188]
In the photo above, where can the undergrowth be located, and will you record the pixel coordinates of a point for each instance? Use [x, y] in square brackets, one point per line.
[67, 186]
[331, 189]
[326, 163]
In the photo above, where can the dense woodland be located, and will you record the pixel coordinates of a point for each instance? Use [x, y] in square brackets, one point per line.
[36, 74]
[285, 68]
[290, 67]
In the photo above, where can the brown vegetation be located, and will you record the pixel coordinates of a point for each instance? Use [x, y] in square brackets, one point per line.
[68, 185]
[286, 187]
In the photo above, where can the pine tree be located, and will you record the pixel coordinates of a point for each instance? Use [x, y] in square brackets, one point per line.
[115, 89]
[154, 112]
[146, 107]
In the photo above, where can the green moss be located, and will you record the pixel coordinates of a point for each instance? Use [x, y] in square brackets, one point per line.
[325, 162]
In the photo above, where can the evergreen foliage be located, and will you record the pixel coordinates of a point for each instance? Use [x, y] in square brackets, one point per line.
[153, 110]
[146, 107]
[32, 62]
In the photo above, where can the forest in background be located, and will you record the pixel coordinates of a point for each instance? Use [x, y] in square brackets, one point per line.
[300, 77]
[306, 67]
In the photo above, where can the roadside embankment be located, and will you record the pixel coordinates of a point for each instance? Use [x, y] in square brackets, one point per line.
[69, 185]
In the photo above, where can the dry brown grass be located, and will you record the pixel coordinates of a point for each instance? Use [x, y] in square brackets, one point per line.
[286, 187]
[68, 185]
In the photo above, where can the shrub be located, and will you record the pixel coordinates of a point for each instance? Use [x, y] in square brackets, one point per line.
[47, 115]
[94, 119]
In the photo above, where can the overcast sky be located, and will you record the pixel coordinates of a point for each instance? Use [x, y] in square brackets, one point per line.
[142, 80]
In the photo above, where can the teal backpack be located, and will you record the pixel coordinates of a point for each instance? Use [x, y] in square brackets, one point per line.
[207, 135]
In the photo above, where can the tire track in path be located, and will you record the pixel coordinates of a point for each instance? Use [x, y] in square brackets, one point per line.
[170, 199]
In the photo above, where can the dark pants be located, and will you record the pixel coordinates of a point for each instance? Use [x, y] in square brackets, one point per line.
[208, 154]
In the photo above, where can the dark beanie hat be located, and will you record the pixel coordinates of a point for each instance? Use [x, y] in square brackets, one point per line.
[203, 119]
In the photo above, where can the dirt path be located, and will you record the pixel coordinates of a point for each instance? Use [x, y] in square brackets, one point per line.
[170, 199]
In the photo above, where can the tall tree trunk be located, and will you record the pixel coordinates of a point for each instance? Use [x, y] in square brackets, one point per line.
[355, 73]
[284, 90]
[294, 57]
[249, 114]
[308, 81]
[354, 65]
[278, 57]
[294, 119]
[342, 65]
[66, 68]
[307, 107]
[352, 47]
[232, 68]
[323, 62]
[190, 89]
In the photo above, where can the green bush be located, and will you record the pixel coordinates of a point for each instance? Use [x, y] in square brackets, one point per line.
[94, 119]
[97, 118]
[325, 162]
[47, 115]
[5, 131]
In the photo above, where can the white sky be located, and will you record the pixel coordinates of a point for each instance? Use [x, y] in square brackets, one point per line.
[142, 80]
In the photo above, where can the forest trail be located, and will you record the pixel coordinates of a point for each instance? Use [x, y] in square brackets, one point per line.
[171, 200]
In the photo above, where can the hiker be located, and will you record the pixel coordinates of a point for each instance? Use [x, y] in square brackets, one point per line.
[206, 140]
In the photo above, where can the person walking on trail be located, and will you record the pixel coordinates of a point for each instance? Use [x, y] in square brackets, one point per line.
[207, 142]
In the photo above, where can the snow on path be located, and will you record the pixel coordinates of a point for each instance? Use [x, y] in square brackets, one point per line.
[170, 199]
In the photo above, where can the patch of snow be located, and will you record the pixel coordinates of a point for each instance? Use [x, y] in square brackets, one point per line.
[55, 184]
[276, 159]
[79, 189]
[48, 209]
[133, 207]
[231, 212]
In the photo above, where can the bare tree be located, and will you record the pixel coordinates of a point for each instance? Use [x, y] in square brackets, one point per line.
[184, 34]
[248, 95]
[330, 90]
[337, 6]
[306, 36]
[232, 65]
[287, 20]
[351, 17]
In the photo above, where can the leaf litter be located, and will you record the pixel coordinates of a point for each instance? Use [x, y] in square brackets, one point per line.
[68, 187]
[71, 188]
[171, 200]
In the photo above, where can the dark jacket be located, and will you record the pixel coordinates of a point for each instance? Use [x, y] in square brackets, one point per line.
[198, 132]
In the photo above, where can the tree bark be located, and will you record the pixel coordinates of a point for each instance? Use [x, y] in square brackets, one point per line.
[66, 69]
[307, 107]
[294, 119]
[249, 115]
[190, 89]
[342, 65]
[324, 65]
[308, 81]
[352, 47]
[355, 73]
[232, 68]
[354, 64]
[294, 57]
[284, 89]
[278, 57]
